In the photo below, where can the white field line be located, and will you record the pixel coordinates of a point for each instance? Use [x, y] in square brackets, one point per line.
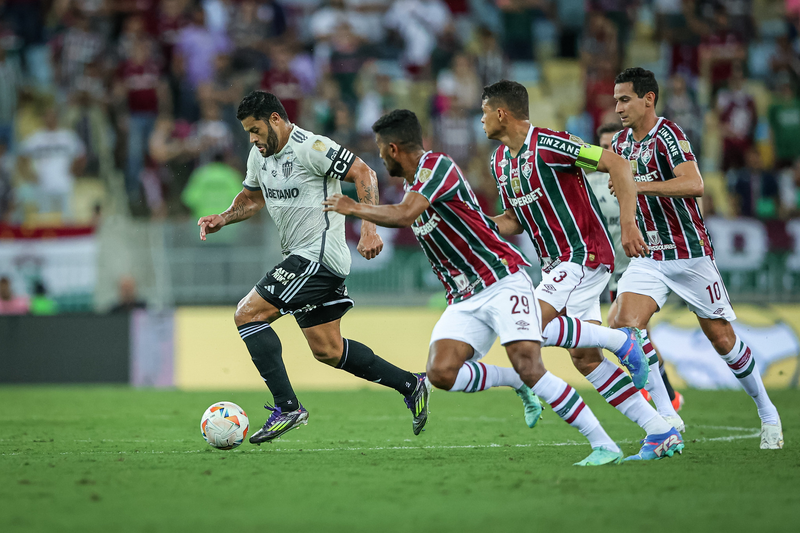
[751, 433]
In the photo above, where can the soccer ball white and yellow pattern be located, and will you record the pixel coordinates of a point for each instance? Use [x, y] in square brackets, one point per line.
[224, 425]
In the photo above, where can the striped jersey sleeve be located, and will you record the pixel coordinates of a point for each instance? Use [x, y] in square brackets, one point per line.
[674, 145]
[434, 179]
[494, 167]
[558, 149]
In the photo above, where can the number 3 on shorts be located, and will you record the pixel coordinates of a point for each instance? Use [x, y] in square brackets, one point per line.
[521, 305]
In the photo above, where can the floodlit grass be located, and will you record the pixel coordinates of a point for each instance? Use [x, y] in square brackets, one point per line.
[117, 459]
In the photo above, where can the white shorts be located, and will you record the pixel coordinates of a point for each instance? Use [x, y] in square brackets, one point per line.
[575, 288]
[697, 281]
[507, 309]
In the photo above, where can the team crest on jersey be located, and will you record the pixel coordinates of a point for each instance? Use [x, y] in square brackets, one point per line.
[646, 155]
[319, 146]
[685, 146]
[527, 169]
[424, 175]
[287, 168]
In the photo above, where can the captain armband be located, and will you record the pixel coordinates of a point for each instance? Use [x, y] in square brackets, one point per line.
[589, 157]
[342, 161]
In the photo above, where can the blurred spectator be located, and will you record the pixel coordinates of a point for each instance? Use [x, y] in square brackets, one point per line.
[211, 188]
[212, 136]
[681, 107]
[78, 46]
[787, 60]
[10, 82]
[492, 63]
[41, 303]
[135, 35]
[281, 81]
[722, 47]
[599, 47]
[738, 118]
[142, 91]
[128, 296]
[518, 17]
[784, 121]
[376, 100]
[249, 35]
[173, 151]
[754, 189]
[454, 134]
[87, 116]
[169, 22]
[58, 155]
[182, 93]
[218, 14]
[198, 46]
[348, 55]
[789, 182]
[460, 84]
[447, 46]
[6, 184]
[273, 16]
[9, 303]
[419, 23]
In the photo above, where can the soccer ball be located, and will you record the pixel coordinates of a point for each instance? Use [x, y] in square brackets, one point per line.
[224, 425]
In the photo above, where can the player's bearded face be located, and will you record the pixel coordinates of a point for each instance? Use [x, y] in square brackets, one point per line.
[262, 135]
[391, 164]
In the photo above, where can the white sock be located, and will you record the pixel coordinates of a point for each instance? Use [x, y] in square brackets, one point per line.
[655, 385]
[568, 404]
[743, 365]
[616, 387]
[570, 332]
[474, 377]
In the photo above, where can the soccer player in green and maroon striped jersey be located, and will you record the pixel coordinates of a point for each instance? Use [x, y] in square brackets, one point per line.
[681, 260]
[541, 177]
[488, 292]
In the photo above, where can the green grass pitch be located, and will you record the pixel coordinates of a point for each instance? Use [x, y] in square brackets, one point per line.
[117, 459]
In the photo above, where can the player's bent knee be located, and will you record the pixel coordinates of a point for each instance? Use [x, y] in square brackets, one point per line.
[441, 376]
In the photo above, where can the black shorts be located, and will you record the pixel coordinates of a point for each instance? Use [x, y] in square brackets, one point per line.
[310, 291]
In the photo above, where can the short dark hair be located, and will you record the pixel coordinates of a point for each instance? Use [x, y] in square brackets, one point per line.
[261, 105]
[608, 127]
[643, 80]
[400, 127]
[509, 94]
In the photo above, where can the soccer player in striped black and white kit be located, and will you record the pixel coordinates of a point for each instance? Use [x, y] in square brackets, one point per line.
[290, 171]
[488, 292]
[541, 176]
[681, 257]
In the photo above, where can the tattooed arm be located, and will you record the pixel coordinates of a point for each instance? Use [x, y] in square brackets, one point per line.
[246, 204]
[366, 181]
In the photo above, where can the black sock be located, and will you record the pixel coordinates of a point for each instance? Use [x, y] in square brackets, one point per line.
[362, 362]
[265, 350]
[667, 384]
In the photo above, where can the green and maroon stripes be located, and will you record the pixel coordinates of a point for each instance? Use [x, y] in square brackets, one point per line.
[569, 405]
[477, 377]
[617, 388]
[569, 332]
[744, 365]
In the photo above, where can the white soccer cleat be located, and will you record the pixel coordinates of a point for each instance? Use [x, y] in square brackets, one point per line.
[676, 422]
[771, 436]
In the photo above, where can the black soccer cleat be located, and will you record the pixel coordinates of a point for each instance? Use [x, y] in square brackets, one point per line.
[417, 402]
[279, 423]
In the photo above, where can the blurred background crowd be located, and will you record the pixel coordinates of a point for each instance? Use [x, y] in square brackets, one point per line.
[128, 106]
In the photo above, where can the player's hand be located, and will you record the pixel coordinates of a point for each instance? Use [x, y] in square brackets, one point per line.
[611, 187]
[633, 242]
[210, 224]
[339, 203]
[370, 245]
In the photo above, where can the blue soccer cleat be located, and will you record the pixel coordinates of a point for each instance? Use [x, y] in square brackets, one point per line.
[532, 405]
[601, 456]
[279, 423]
[632, 357]
[656, 447]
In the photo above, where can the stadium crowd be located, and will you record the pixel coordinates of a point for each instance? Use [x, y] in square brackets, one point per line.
[137, 98]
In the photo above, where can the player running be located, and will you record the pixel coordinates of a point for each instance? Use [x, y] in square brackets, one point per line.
[609, 206]
[681, 257]
[540, 174]
[290, 171]
[488, 292]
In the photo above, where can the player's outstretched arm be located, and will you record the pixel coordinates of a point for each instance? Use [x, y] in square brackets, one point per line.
[399, 215]
[507, 223]
[687, 183]
[624, 187]
[366, 181]
[246, 204]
